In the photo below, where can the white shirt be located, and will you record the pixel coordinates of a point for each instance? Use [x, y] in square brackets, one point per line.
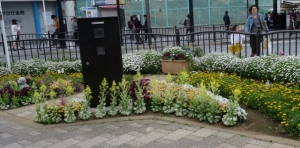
[237, 38]
[15, 29]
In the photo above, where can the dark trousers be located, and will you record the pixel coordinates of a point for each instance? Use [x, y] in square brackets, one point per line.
[146, 36]
[137, 36]
[227, 27]
[253, 44]
[56, 33]
[75, 34]
[187, 31]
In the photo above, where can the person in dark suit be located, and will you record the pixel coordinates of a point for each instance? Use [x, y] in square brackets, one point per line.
[138, 26]
[146, 29]
[226, 20]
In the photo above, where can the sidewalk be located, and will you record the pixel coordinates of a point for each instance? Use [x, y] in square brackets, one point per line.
[17, 129]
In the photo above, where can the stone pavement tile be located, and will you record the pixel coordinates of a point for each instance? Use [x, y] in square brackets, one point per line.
[60, 131]
[145, 129]
[135, 144]
[239, 140]
[53, 140]
[105, 145]
[194, 129]
[33, 133]
[178, 134]
[91, 134]
[182, 143]
[157, 125]
[92, 142]
[123, 130]
[224, 135]
[136, 134]
[144, 121]
[261, 143]
[210, 142]
[163, 122]
[226, 145]
[195, 138]
[39, 144]
[25, 142]
[120, 123]
[137, 124]
[277, 145]
[86, 129]
[253, 146]
[108, 136]
[163, 131]
[112, 127]
[73, 146]
[3, 122]
[121, 140]
[17, 127]
[155, 144]
[149, 137]
[204, 132]
[81, 138]
[126, 145]
[64, 144]
[6, 135]
[13, 145]
[164, 141]
[173, 126]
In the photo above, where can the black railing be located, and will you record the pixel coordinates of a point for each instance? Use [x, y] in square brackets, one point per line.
[210, 39]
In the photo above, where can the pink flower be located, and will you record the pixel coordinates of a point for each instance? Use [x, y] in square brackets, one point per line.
[281, 53]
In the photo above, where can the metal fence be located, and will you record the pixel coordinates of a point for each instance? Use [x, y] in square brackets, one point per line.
[210, 39]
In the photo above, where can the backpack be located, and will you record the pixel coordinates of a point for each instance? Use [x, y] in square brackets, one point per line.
[184, 23]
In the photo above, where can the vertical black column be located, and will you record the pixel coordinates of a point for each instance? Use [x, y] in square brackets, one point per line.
[256, 3]
[119, 18]
[275, 15]
[247, 9]
[191, 7]
[61, 23]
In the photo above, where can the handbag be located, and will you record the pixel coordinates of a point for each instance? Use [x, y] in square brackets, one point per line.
[267, 45]
[18, 33]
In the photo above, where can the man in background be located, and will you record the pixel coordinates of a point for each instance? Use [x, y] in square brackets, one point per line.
[226, 20]
[146, 29]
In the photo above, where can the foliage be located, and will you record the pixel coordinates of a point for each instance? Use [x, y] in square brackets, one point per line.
[176, 53]
[125, 97]
[100, 110]
[113, 93]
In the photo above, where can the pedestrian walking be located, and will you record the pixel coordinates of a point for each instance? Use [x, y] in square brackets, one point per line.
[138, 27]
[56, 29]
[75, 29]
[131, 27]
[146, 29]
[15, 31]
[187, 23]
[226, 20]
[254, 20]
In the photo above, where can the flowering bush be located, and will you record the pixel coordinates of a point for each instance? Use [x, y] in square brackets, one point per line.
[176, 53]
[144, 61]
[274, 68]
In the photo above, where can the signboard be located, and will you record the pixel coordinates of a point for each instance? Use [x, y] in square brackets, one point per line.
[91, 12]
[108, 2]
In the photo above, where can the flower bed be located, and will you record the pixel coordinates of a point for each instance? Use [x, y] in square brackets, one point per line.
[14, 93]
[169, 98]
[279, 101]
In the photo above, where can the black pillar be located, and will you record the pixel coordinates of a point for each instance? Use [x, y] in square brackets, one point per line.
[119, 18]
[61, 23]
[256, 3]
[191, 7]
[275, 15]
[247, 9]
